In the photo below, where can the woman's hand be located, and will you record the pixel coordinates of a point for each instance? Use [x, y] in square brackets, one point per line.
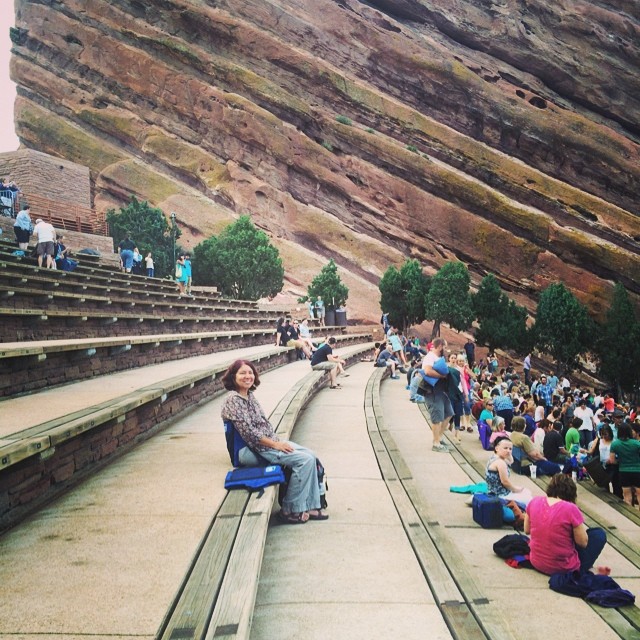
[283, 446]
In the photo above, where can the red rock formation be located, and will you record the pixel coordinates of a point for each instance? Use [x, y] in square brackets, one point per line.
[502, 133]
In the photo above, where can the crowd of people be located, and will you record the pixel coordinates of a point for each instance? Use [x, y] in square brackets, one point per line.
[51, 250]
[551, 424]
[554, 426]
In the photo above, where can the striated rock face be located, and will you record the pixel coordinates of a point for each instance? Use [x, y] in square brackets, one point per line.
[504, 133]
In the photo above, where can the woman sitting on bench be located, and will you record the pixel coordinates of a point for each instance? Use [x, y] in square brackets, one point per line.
[302, 500]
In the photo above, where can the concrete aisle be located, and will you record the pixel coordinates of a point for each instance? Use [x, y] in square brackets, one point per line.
[355, 575]
[106, 559]
[515, 589]
[17, 414]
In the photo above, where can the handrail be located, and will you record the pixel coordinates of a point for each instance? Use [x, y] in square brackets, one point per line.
[66, 215]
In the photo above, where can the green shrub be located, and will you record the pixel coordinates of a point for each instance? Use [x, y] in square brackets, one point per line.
[410, 147]
[369, 130]
[327, 145]
[344, 120]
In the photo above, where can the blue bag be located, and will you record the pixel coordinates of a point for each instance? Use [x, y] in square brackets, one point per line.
[254, 478]
[484, 433]
[487, 510]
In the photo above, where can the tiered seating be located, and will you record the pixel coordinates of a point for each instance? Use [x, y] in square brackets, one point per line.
[60, 328]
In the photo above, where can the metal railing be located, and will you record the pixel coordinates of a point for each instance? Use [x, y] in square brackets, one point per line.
[8, 203]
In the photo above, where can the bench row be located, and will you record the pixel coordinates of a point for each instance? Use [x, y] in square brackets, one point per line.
[26, 367]
[19, 324]
[39, 463]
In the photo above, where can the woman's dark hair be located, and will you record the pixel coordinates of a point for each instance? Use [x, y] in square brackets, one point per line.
[229, 376]
[498, 440]
[624, 431]
[607, 431]
[280, 321]
[563, 487]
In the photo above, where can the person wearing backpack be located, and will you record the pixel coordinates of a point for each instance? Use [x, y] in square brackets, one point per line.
[301, 502]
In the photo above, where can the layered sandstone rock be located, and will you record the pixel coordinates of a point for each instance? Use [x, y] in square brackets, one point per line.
[501, 133]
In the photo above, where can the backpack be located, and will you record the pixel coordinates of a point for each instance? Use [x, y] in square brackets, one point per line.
[484, 433]
[476, 409]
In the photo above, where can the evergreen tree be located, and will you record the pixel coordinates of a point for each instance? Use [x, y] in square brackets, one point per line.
[402, 294]
[240, 262]
[329, 287]
[619, 343]
[563, 327]
[148, 227]
[502, 322]
[448, 299]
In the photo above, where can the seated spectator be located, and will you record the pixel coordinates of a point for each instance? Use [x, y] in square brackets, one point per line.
[498, 430]
[23, 228]
[601, 448]
[572, 436]
[560, 541]
[387, 359]
[553, 443]
[625, 452]
[498, 474]
[544, 466]
[325, 359]
[487, 413]
[305, 334]
[301, 502]
[293, 340]
[528, 411]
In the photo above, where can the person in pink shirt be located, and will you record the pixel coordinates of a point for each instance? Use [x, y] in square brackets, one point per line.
[560, 541]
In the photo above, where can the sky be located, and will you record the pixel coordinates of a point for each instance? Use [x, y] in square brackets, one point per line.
[8, 139]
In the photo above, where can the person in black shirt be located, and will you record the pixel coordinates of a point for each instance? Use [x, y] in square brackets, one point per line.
[324, 359]
[125, 248]
[293, 340]
[553, 443]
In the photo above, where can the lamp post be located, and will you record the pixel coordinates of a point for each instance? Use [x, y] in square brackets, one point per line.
[173, 234]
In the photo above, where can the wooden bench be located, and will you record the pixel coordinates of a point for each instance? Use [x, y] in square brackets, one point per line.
[38, 324]
[217, 597]
[116, 280]
[28, 366]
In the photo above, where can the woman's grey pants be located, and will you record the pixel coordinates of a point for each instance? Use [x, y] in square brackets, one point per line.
[303, 493]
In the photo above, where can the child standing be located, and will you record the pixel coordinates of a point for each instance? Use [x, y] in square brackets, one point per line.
[149, 264]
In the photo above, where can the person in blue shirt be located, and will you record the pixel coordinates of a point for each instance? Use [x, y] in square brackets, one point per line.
[187, 269]
[544, 391]
[503, 406]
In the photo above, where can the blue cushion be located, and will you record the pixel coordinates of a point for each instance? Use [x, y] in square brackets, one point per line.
[441, 366]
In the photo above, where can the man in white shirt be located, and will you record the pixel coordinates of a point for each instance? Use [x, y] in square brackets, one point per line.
[46, 236]
[588, 423]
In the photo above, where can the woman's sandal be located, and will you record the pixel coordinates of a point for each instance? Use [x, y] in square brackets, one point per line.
[470, 429]
[336, 386]
[318, 515]
[293, 518]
